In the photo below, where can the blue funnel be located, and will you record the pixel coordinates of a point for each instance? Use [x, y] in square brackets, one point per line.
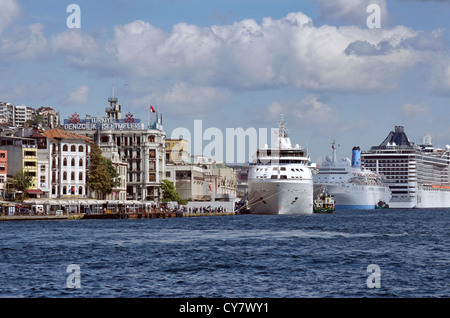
[356, 157]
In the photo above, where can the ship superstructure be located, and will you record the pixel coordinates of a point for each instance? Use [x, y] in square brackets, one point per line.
[418, 175]
[351, 186]
[280, 179]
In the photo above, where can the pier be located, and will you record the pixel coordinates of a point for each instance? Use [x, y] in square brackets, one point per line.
[110, 216]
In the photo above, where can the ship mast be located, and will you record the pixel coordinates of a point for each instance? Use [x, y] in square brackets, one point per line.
[333, 146]
[282, 134]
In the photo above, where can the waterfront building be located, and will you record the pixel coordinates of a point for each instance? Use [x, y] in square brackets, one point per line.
[141, 148]
[224, 183]
[418, 175]
[22, 156]
[3, 172]
[67, 155]
[203, 179]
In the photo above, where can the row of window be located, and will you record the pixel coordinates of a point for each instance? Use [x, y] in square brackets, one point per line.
[65, 162]
[281, 169]
[283, 176]
[64, 176]
[69, 190]
[73, 148]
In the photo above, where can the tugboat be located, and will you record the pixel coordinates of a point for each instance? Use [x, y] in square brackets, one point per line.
[324, 203]
[381, 205]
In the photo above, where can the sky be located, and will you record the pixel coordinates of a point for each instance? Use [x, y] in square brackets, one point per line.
[238, 64]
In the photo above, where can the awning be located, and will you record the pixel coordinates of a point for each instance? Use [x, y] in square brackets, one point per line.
[34, 191]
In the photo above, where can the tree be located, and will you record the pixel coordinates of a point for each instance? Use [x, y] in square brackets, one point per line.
[102, 177]
[113, 175]
[21, 182]
[169, 193]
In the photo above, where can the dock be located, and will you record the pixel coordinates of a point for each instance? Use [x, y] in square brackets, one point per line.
[110, 216]
[33, 217]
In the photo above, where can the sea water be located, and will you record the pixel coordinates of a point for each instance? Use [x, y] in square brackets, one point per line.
[348, 254]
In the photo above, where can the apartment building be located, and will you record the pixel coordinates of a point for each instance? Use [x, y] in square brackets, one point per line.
[3, 172]
[22, 156]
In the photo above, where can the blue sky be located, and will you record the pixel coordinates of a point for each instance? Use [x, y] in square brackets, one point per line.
[239, 64]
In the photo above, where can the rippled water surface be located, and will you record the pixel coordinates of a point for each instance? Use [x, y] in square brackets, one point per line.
[231, 256]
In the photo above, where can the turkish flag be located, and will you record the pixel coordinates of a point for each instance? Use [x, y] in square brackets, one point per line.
[153, 110]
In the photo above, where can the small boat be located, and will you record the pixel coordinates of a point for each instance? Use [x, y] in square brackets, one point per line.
[381, 205]
[324, 203]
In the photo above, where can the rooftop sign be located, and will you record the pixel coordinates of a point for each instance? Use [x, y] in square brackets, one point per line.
[102, 123]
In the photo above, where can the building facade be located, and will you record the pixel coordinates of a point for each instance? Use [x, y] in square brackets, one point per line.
[141, 149]
[22, 156]
[177, 151]
[203, 180]
[48, 117]
[3, 172]
[67, 155]
[19, 115]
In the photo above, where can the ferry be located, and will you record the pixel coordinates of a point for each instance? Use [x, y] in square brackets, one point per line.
[280, 178]
[324, 203]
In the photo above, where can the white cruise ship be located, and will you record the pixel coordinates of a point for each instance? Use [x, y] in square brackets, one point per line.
[280, 179]
[418, 175]
[350, 186]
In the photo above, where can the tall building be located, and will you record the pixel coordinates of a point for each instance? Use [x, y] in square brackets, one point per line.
[141, 148]
[418, 175]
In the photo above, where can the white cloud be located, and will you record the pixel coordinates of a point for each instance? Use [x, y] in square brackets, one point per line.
[311, 111]
[8, 13]
[27, 44]
[413, 110]
[74, 44]
[79, 96]
[290, 52]
[186, 100]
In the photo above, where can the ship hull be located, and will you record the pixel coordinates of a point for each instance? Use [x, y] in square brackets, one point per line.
[423, 199]
[280, 197]
[433, 198]
[352, 197]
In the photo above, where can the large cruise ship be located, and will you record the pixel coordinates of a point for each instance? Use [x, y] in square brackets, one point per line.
[418, 175]
[351, 186]
[280, 179]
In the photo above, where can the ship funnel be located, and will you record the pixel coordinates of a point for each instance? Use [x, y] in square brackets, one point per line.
[356, 157]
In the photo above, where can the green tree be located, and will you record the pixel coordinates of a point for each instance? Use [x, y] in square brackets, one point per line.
[102, 177]
[21, 182]
[169, 193]
[113, 175]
